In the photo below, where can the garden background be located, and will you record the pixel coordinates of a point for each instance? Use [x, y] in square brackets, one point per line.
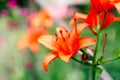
[18, 65]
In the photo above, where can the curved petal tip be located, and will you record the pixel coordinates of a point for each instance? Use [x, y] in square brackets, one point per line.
[47, 60]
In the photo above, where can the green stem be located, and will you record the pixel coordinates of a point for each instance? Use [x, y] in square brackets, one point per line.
[110, 60]
[82, 50]
[94, 60]
[96, 48]
[93, 73]
[77, 60]
[86, 63]
[97, 44]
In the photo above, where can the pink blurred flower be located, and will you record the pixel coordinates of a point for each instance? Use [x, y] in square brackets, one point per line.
[61, 12]
[13, 25]
[4, 13]
[1, 41]
[12, 4]
[24, 11]
[29, 65]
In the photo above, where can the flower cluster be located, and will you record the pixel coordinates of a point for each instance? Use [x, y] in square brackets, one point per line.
[65, 44]
[39, 23]
[100, 15]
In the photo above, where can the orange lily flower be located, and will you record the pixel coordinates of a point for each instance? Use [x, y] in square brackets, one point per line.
[38, 25]
[78, 17]
[94, 19]
[105, 5]
[102, 19]
[30, 39]
[64, 44]
[99, 16]
[39, 19]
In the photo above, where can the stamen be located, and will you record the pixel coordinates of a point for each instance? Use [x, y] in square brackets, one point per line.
[55, 34]
[104, 43]
[65, 43]
[75, 20]
[56, 37]
[62, 35]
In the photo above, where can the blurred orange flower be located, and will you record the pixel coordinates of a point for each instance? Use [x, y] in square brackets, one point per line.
[39, 19]
[64, 44]
[102, 19]
[94, 19]
[30, 39]
[39, 23]
[99, 16]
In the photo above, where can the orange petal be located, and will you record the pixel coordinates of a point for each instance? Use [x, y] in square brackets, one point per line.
[23, 42]
[62, 35]
[78, 16]
[48, 41]
[80, 28]
[61, 32]
[97, 5]
[117, 5]
[50, 57]
[45, 19]
[92, 18]
[108, 20]
[63, 44]
[34, 47]
[116, 18]
[64, 57]
[86, 41]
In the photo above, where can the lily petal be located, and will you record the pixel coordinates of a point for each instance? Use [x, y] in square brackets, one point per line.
[34, 47]
[23, 42]
[64, 57]
[116, 18]
[47, 60]
[108, 20]
[117, 5]
[80, 27]
[92, 18]
[61, 32]
[86, 41]
[96, 4]
[78, 16]
[48, 41]
[62, 35]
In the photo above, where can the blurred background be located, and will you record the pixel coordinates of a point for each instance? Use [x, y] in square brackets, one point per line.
[24, 65]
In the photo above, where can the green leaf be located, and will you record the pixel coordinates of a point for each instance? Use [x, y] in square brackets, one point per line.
[98, 70]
